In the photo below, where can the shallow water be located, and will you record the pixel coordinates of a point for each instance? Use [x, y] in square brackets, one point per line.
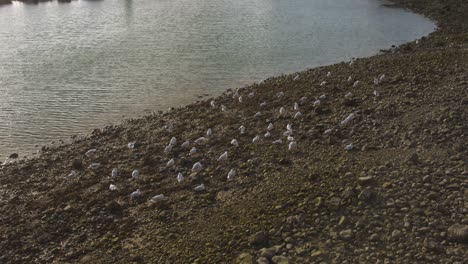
[66, 69]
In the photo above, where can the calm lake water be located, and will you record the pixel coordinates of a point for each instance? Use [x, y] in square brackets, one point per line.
[66, 69]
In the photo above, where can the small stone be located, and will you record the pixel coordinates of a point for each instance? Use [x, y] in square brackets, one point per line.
[263, 260]
[267, 252]
[14, 156]
[374, 238]
[346, 234]
[458, 232]
[396, 234]
[77, 164]
[245, 258]
[259, 239]
[365, 194]
[280, 260]
[363, 181]
[431, 245]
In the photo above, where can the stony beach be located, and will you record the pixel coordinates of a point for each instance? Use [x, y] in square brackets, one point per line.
[377, 172]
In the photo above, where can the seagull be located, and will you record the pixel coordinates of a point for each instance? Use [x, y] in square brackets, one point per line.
[223, 108]
[173, 141]
[255, 139]
[199, 188]
[136, 194]
[297, 115]
[170, 163]
[209, 132]
[350, 79]
[212, 103]
[168, 148]
[197, 167]
[303, 99]
[288, 133]
[280, 94]
[180, 177]
[290, 138]
[185, 144]
[72, 174]
[329, 74]
[288, 127]
[270, 127]
[94, 166]
[296, 106]
[240, 99]
[376, 93]
[282, 111]
[278, 141]
[323, 83]
[348, 95]
[349, 147]
[157, 198]
[296, 78]
[347, 120]
[381, 78]
[223, 156]
[328, 132]
[263, 104]
[242, 129]
[112, 187]
[351, 63]
[90, 152]
[316, 103]
[292, 145]
[200, 141]
[251, 95]
[115, 172]
[136, 174]
[235, 142]
[267, 134]
[193, 151]
[322, 97]
[231, 174]
[356, 83]
[131, 145]
[258, 114]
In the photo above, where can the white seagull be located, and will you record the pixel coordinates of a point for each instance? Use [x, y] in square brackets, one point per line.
[256, 139]
[94, 166]
[173, 141]
[136, 174]
[185, 144]
[242, 129]
[159, 197]
[180, 177]
[292, 145]
[209, 132]
[199, 188]
[112, 187]
[197, 167]
[200, 141]
[231, 174]
[170, 163]
[168, 148]
[270, 127]
[223, 156]
[90, 152]
[193, 150]
[136, 194]
[115, 172]
[235, 142]
[347, 120]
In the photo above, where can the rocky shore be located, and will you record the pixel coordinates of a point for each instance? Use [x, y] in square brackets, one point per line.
[377, 172]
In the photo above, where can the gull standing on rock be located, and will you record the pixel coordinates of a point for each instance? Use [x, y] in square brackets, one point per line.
[258, 114]
[349, 147]
[303, 99]
[136, 194]
[356, 83]
[115, 172]
[282, 111]
[323, 83]
[350, 79]
[90, 152]
[180, 177]
[267, 134]
[240, 99]
[193, 150]
[168, 148]
[136, 174]
[212, 103]
[173, 141]
[200, 141]
[270, 127]
[197, 167]
[94, 166]
[112, 187]
[231, 174]
[157, 198]
[347, 120]
[131, 145]
[235, 142]
[251, 95]
[280, 94]
[297, 115]
[185, 144]
[170, 163]
[277, 142]
[292, 145]
[72, 174]
[296, 106]
[242, 130]
[223, 156]
[199, 188]
[262, 104]
[256, 139]
[328, 132]
[209, 132]
[223, 108]
[329, 74]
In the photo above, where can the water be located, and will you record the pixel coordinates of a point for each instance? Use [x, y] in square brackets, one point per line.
[66, 69]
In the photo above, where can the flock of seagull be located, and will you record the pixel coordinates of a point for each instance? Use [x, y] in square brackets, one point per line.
[197, 167]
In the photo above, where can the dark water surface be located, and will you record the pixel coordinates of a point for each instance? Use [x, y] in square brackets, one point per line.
[68, 68]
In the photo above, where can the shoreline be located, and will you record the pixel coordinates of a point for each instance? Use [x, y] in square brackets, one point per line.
[399, 195]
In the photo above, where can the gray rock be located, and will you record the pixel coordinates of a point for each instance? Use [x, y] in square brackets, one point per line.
[280, 260]
[458, 233]
[245, 258]
[263, 260]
